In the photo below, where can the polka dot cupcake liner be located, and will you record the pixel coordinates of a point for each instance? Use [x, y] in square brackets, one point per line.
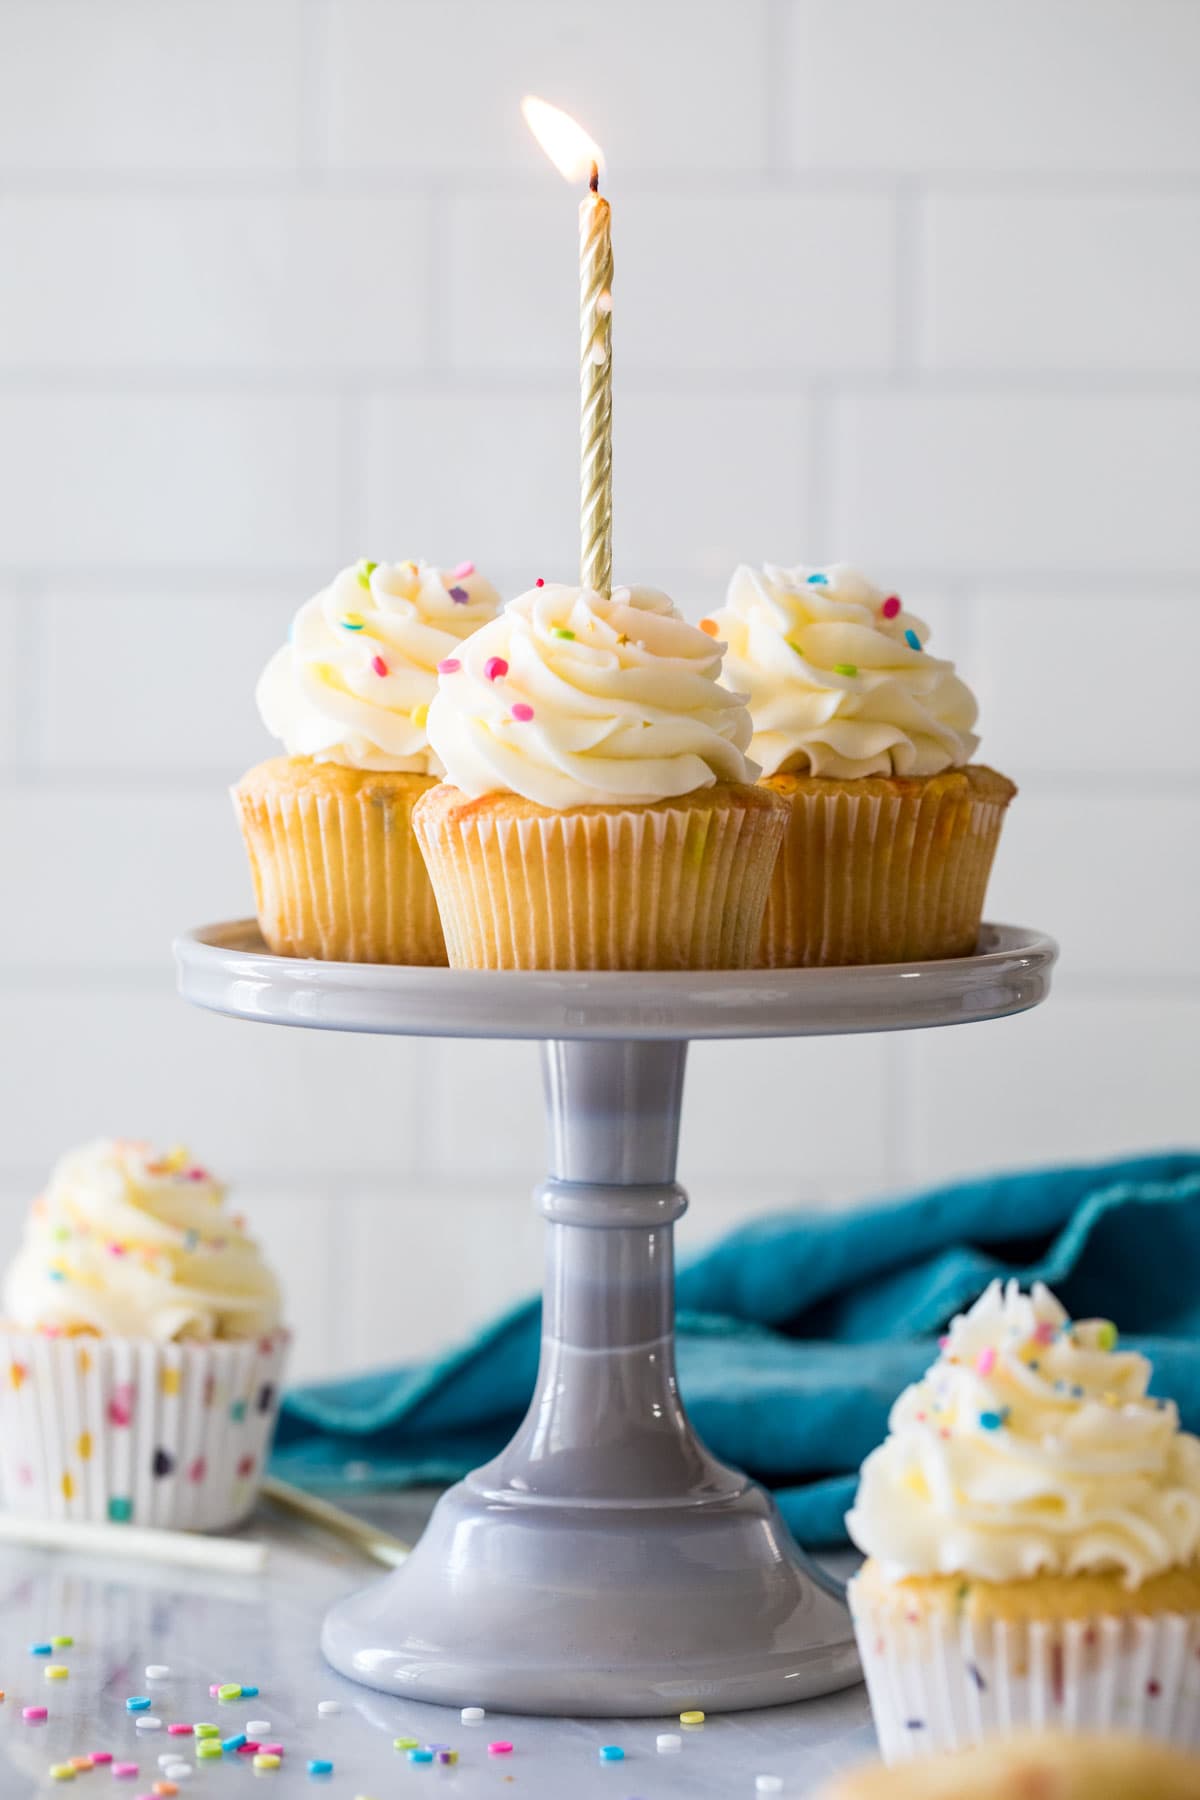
[131, 1432]
[939, 1683]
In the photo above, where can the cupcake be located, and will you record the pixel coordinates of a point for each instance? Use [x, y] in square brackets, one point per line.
[599, 811]
[328, 827]
[141, 1349]
[1031, 1527]
[868, 738]
[1040, 1766]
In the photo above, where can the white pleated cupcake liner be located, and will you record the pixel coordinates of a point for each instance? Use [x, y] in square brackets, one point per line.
[937, 1683]
[128, 1431]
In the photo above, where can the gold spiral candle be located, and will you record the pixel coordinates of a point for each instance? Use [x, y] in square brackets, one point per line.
[595, 390]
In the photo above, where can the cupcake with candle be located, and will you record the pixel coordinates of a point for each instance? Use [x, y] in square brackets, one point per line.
[1032, 1528]
[599, 810]
[328, 827]
[892, 828]
[141, 1349]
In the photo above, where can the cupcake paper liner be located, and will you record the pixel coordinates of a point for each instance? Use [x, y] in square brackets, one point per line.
[937, 1683]
[664, 887]
[882, 871]
[337, 871]
[138, 1433]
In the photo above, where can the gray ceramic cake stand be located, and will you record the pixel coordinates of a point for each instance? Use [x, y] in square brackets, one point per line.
[605, 1562]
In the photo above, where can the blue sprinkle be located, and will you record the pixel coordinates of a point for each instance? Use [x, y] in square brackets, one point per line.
[977, 1678]
[234, 1743]
[914, 1724]
[992, 1421]
[818, 581]
[459, 595]
[320, 1766]
[249, 1693]
[911, 639]
[419, 1756]
[611, 1753]
[56, 1274]
[40, 1649]
[137, 1703]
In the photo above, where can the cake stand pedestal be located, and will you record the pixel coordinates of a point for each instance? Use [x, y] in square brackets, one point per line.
[605, 1563]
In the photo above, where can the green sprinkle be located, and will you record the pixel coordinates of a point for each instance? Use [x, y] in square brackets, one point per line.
[62, 1643]
[406, 1743]
[364, 570]
[120, 1510]
[229, 1690]
[206, 1731]
[845, 668]
[1106, 1339]
[562, 632]
[209, 1747]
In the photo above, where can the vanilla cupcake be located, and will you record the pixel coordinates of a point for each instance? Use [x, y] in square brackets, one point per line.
[1032, 1529]
[1036, 1766]
[599, 810]
[892, 828]
[337, 873]
[141, 1350]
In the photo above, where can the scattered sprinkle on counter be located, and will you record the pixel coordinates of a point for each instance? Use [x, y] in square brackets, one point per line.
[447, 1757]
[405, 1743]
[124, 1771]
[157, 1671]
[667, 1742]
[691, 1718]
[471, 1715]
[208, 1747]
[420, 1756]
[501, 1747]
[101, 1757]
[62, 1772]
[266, 1759]
[205, 1730]
[329, 1707]
[234, 1743]
[56, 1671]
[320, 1765]
[34, 1714]
[62, 1642]
[768, 1784]
[611, 1753]
[257, 1727]
[179, 1729]
[248, 1693]
[138, 1703]
[230, 1690]
[40, 1649]
[147, 1722]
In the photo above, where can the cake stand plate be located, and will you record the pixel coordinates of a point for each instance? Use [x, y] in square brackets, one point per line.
[605, 1563]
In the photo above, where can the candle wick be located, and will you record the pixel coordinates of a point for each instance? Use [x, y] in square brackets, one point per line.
[594, 178]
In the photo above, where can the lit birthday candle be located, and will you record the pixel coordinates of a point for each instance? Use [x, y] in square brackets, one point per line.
[578, 158]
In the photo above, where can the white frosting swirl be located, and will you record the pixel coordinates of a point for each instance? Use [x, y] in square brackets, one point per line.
[1029, 1447]
[353, 685]
[837, 677]
[128, 1243]
[569, 699]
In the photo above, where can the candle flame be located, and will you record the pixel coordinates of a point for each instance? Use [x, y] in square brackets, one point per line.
[574, 154]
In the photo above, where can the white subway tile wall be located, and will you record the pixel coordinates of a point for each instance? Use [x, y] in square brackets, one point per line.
[913, 282]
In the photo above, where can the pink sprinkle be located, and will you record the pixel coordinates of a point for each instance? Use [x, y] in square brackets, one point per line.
[197, 1174]
[449, 665]
[124, 1771]
[35, 1714]
[463, 569]
[539, 582]
[1044, 1333]
[271, 1749]
[522, 713]
[501, 1748]
[985, 1362]
[248, 1749]
[891, 606]
[179, 1731]
[116, 1249]
[379, 666]
[495, 667]
[942, 1342]
[214, 1688]
[100, 1756]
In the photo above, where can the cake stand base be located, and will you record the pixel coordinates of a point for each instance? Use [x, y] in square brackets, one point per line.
[605, 1562]
[624, 1612]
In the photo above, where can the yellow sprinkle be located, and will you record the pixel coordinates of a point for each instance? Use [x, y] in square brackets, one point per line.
[419, 716]
[68, 1487]
[266, 1759]
[171, 1380]
[83, 1449]
[61, 1772]
[176, 1158]
[57, 1672]
[691, 1718]
[85, 1362]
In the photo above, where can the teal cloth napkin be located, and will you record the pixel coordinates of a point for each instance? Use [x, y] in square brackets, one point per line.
[797, 1331]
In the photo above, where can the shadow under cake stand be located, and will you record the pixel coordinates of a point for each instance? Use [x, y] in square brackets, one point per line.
[605, 1563]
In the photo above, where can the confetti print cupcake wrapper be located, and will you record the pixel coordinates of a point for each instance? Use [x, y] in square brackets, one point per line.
[882, 870]
[137, 1433]
[337, 872]
[680, 885]
[937, 1683]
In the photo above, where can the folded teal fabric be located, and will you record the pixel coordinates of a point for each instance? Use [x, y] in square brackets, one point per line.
[797, 1331]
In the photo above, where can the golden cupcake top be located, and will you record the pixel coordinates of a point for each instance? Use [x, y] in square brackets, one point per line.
[571, 699]
[354, 683]
[1034, 1766]
[129, 1242]
[1031, 1447]
[839, 678]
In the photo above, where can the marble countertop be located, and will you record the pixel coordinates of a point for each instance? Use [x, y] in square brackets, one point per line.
[262, 1630]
